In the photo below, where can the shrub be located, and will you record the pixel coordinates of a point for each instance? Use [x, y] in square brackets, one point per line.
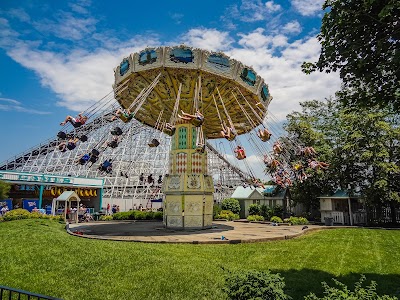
[254, 285]
[17, 214]
[20, 213]
[106, 218]
[276, 219]
[1, 219]
[265, 211]
[228, 215]
[343, 293]
[231, 204]
[139, 215]
[254, 209]
[253, 218]
[158, 215]
[124, 215]
[216, 210]
[297, 221]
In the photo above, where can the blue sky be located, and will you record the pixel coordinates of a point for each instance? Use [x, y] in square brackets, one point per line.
[57, 57]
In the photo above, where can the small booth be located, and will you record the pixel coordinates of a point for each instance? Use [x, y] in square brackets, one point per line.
[341, 208]
[66, 199]
[247, 196]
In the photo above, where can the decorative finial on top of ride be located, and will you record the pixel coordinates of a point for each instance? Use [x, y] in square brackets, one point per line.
[181, 78]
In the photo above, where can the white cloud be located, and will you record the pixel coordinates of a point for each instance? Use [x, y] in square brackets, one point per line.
[292, 27]
[79, 78]
[255, 39]
[20, 14]
[271, 6]
[67, 26]
[281, 70]
[16, 106]
[308, 7]
[177, 17]
[210, 39]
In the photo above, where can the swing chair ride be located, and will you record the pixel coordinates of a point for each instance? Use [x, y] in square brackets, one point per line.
[193, 95]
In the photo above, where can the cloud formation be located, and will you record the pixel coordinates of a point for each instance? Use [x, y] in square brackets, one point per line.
[7, 104]
[308, 7]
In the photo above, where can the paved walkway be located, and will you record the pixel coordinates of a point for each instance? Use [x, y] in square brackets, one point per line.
[154, 232]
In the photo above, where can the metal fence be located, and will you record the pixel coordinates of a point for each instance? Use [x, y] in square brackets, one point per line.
[8, 293]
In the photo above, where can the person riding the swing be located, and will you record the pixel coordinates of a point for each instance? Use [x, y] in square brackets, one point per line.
[314, 164]
[277, 147]
[240, 153]
[124, 114]
[264, 135]
[198, 117]
[227, 132]
[76, 122]
[70, 145]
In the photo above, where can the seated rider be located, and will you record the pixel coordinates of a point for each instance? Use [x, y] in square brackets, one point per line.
[277, 147]
[227, 132]
[106, 166]
[309, 151]
[76, 122]
[125, 113]
[83, 159]
[188, 117]
[314, 164]
[70, 145]
[240, 153]
[264, 135]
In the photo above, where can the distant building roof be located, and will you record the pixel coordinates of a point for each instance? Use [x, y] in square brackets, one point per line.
[68, 196]
[341, 194]
[274, 192]
[245, 192]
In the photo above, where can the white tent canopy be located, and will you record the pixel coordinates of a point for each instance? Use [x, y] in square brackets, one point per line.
[66, 197]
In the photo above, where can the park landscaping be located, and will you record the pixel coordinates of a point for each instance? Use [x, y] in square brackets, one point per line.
[39, 256]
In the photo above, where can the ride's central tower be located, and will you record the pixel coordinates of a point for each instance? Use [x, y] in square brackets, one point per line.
[188, 188]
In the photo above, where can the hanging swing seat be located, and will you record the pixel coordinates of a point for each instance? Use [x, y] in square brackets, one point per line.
[154, 143]
[198, 121]
[240, 154]
[265, 138]
[169, 131]
[62, 135]
[116, 131]
[83, 138]
[200, 148]
[126, 117]
[231, 137]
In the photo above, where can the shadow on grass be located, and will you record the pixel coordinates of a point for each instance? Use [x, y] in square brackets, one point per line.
[300, 283]
[132, 228]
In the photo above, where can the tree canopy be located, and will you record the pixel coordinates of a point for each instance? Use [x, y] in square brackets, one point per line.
[360, 39]
[4, 189]
[362, 146]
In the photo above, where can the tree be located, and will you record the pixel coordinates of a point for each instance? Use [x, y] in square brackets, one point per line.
[361, 145]
[314, 126]
[4, 189]
[360, 39]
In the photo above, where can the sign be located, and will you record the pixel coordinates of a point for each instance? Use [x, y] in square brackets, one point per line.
[6, 202]
[29, 205]
[50, 179]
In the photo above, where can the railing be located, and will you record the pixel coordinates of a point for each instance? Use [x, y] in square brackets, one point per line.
[10, 293]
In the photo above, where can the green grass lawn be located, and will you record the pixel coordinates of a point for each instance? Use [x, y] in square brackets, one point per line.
[39, 256]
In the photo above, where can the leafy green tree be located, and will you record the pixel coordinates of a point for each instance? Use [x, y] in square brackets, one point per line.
[361, 145]
[231, 204]
[360, 39]
[313, 126]
[4, 189]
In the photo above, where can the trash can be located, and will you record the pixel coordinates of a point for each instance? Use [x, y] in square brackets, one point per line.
[328, 221]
